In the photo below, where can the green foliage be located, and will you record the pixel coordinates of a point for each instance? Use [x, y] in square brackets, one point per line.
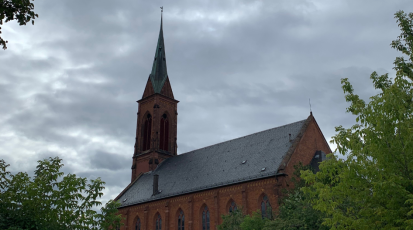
[232, 221]
[236, 220]
[295, 210]
[254, 222]
[52, 200]
[108, 218]
[373, 187]
[20, 10]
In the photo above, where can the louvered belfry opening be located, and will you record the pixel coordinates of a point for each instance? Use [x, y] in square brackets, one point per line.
[147, 133]
[164, 133]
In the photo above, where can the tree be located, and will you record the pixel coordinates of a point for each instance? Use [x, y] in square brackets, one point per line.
[108, 218]
[52, 200]
[254, 221]
[236, 220]
[20, 10]
[295, 210]
[373, 187]
[232, 221]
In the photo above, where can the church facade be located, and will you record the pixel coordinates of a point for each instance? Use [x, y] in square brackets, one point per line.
[192, 190]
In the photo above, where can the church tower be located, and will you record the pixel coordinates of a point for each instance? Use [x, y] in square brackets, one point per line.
[156, 128]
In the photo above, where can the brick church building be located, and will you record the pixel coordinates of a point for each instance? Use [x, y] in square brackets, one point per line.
[192, 190]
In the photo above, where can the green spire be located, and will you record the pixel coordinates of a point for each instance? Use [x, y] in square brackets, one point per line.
[159, 73]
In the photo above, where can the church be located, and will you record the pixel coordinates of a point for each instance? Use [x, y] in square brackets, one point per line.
[193, 190]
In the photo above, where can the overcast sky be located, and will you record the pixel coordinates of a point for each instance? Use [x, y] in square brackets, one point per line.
[69, 84]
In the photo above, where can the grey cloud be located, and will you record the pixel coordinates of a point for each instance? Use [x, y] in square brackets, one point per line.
[69, 84]
[110, 161]
[118, 179]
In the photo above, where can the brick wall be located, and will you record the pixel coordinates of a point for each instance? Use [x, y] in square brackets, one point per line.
[164, 105]
[311, 141]
[192, 205]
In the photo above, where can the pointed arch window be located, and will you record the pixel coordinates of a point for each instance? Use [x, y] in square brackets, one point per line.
[205, 219]
[147, 132]
[158, 224]
[138, 224]
[266, 211]
[181, 220]
[232, 206]
[164, 133]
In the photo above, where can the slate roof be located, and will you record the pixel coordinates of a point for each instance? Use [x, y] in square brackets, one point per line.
[216, 165]
[159, 72]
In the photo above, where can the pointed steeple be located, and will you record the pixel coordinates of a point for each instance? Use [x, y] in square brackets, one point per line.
[159, 74]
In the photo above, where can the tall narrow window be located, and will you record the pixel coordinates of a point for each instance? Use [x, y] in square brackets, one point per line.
[181, 221]
[158, 224]
[232, 206]
[205, 218]
[266, 211]
[147, 133]
[138, 224]
[164, 133]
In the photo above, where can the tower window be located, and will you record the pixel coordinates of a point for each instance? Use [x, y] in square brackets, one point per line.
[164, 137]
[147, 133]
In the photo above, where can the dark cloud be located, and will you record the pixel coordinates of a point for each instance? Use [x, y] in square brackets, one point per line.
[69, 84]
[110, 161]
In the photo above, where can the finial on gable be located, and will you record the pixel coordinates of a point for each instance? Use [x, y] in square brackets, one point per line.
[309, 102]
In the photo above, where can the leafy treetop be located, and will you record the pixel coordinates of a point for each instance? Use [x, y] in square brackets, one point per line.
[20, 10]
[52, 200]
[373, 187]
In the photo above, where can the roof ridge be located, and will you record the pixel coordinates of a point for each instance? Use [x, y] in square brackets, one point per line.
[242, 137]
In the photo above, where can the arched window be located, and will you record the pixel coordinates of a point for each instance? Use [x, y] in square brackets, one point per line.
[181, 220]
[138, 224]
[232, 206]
[266, 211]
[147, 133]
[164, 133]
[158, 224]
[205, 218]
